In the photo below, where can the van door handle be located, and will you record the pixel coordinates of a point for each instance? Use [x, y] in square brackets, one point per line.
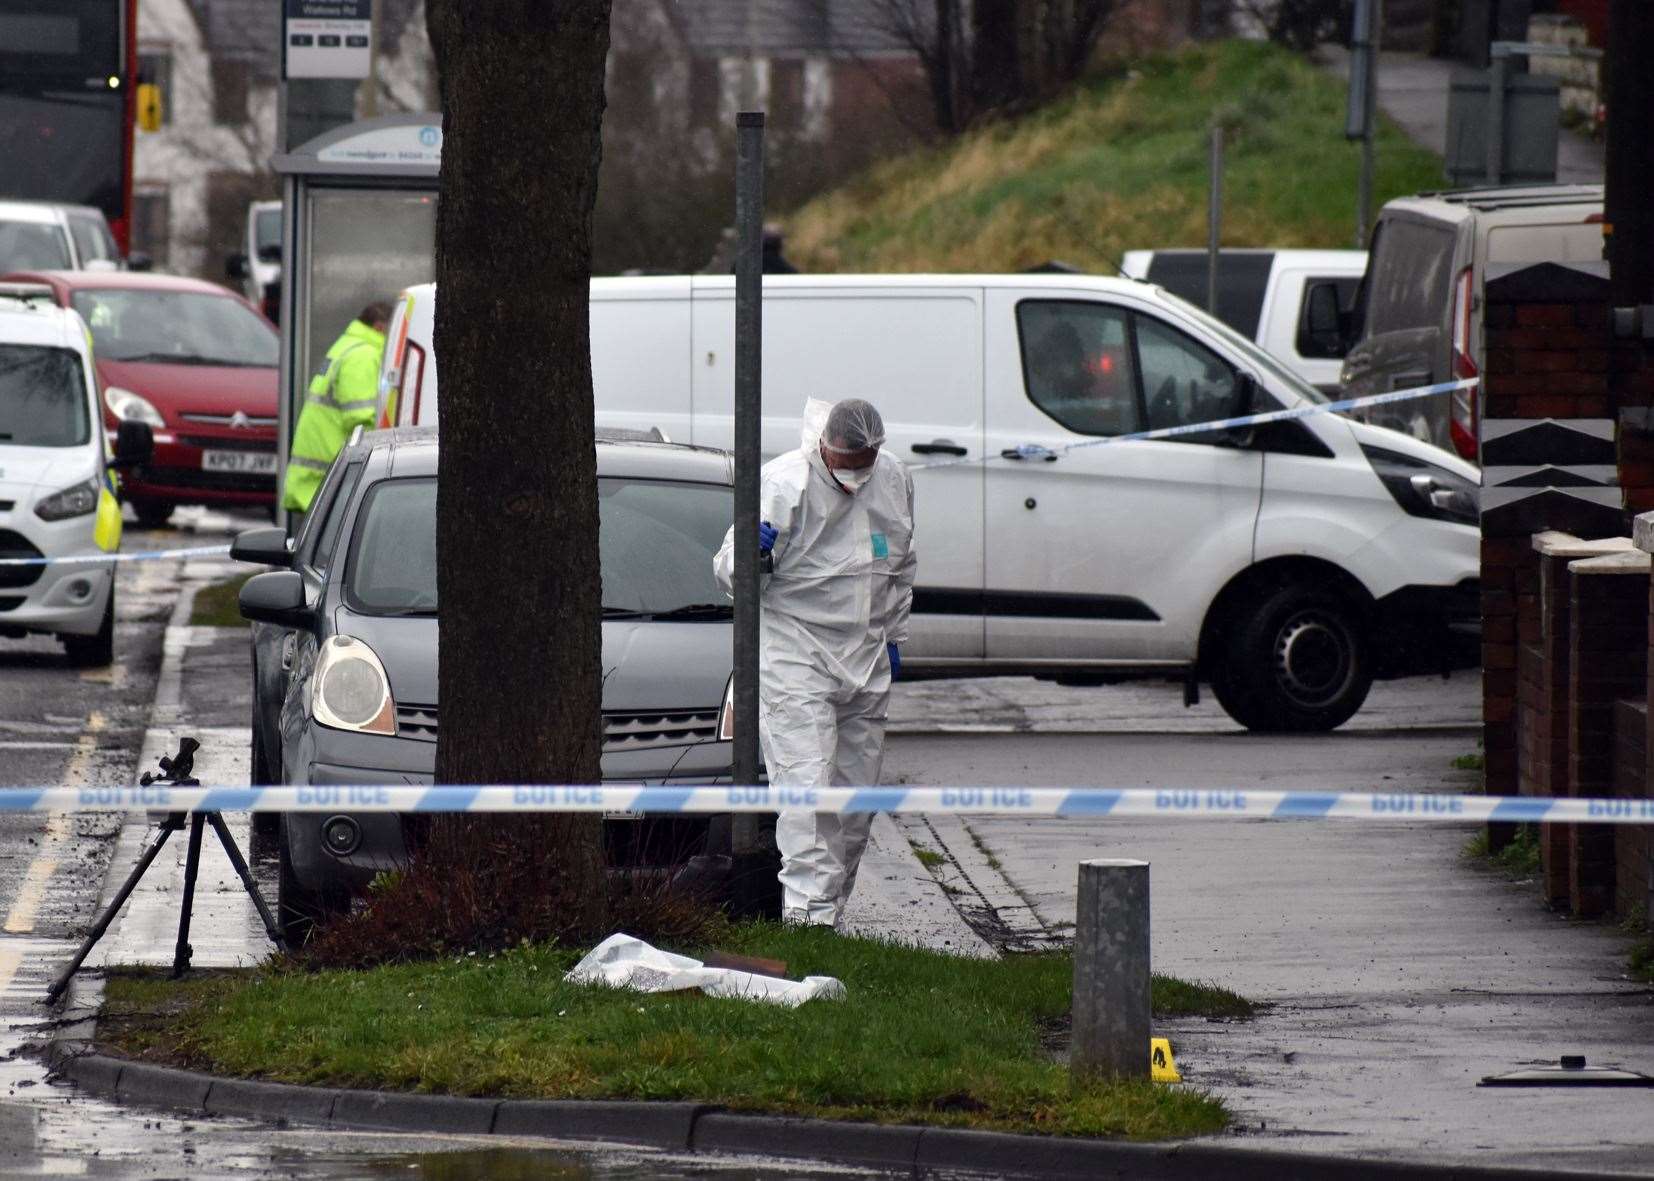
[938, 447]
[1029, 451]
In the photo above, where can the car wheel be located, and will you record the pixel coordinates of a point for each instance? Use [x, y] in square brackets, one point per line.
[263, 773]
[1295, 658]
[299, 909]
[98, 649]
[153, 514]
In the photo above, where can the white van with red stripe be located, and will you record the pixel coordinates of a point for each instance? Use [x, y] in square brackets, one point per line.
[1287, 565]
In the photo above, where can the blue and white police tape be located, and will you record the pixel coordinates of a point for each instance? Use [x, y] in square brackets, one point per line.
[1225, 803]
[1036, 451]
[155, 555]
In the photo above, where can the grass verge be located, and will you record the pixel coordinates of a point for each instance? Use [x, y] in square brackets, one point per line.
[922, 1038]
[1120, 163]
[218, 605]
[1519, 859]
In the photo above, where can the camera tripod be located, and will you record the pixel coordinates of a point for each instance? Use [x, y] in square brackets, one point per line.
[175, 772]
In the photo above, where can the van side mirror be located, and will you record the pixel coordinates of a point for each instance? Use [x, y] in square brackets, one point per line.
[134, 444]
[267, 546]
[1244, 402]
[1323, 328]
[235, 266]
[276, 597]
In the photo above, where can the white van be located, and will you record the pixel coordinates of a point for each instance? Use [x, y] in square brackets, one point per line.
[57, 496]
[1418, 317]
[1286, 565]
[258, 267]
[1263, 295]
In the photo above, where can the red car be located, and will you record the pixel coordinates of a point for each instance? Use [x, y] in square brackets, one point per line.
[197, 362]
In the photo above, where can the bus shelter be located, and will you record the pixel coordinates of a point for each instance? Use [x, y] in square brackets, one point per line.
[358, 225]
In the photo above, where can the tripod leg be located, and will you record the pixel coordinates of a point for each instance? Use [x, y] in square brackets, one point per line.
[192, 864]
[170, 825]
[234, 854]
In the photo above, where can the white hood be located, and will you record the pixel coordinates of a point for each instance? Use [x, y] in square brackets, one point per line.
[44, 469]
[1368, 435]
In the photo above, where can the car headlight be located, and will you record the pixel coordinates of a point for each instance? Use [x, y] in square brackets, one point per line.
[126, 404]
[1425, 489]
[77, 501]
[726, 715]
[349, 689]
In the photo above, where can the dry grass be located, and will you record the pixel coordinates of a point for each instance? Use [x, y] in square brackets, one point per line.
[1118, 164]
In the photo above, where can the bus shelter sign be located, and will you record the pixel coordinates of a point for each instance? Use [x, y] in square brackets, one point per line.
[327, 38]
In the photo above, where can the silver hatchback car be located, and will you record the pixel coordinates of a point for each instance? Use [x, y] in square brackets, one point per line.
[359, 590]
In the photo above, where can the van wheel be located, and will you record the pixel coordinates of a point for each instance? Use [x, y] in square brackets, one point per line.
[1295, 659]
[98, 649]
[299, 909]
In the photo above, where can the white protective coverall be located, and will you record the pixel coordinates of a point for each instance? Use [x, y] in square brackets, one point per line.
[842, 589]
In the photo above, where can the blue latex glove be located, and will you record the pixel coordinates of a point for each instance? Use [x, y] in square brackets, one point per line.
[895, 654]
[767, 533]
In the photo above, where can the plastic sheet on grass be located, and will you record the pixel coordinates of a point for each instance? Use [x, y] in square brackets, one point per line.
[622, 961]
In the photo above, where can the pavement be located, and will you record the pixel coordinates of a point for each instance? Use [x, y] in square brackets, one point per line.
[1397, 975]
[1412, 90]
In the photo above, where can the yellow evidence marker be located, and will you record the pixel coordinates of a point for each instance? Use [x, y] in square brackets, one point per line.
[1162, 1066]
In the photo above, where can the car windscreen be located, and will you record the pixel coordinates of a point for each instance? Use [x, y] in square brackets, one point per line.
[176, 327]
[33, 246]
[42, 397]
[1263, 360]
[656, 541]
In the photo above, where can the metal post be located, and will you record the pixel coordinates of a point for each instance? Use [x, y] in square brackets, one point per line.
[1497, 73]
[1369, 23]
[1214, 217]
[749, 295]
[370, 101]
[1111, 971]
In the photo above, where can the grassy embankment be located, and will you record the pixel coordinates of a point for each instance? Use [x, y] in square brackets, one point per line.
[1121, 163]
[923, 1037]
[218, 605]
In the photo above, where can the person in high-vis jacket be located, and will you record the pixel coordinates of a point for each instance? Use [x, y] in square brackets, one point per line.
[837, 521]
[342, 396]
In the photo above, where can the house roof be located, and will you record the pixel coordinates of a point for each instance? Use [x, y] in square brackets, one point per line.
[785, 27]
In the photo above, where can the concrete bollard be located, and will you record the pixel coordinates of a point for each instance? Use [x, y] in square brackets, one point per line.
[1111, 971]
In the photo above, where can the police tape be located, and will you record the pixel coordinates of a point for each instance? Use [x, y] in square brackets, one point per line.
[634, 799]
[1367, 402]
[155, 555]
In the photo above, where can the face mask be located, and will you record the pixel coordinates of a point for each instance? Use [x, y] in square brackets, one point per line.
[850, 479]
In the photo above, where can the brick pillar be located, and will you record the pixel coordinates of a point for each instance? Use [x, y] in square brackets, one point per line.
[1608, 660]
[1548, 455]
[1543, 623]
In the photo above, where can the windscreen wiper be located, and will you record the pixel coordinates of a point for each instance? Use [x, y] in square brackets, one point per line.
[698, 611]
[626, 613]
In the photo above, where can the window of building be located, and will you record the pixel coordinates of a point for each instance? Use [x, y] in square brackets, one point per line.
[152, 225]
[231, 81]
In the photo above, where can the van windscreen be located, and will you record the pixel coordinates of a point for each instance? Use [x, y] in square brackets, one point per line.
[1408, 278]
[42, 397]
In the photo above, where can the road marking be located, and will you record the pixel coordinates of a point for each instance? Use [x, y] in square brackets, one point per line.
[60, 829]
[23, 744]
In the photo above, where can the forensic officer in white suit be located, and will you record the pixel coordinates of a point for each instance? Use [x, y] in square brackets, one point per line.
[838, 523]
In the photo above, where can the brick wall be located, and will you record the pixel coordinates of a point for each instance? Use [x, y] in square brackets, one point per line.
[1631, 841]
[1547, 441]
[1543, 635]
[1608, 661]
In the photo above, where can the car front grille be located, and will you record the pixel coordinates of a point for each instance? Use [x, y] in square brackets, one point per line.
[227, 420]
[621, 731]
[15, 545]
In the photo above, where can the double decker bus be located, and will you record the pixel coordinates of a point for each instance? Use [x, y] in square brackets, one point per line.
[68, 82]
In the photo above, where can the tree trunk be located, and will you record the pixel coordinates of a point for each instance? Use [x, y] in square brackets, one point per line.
[995, 77]
[520, 649]
[1629, 196]
[943, 75]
